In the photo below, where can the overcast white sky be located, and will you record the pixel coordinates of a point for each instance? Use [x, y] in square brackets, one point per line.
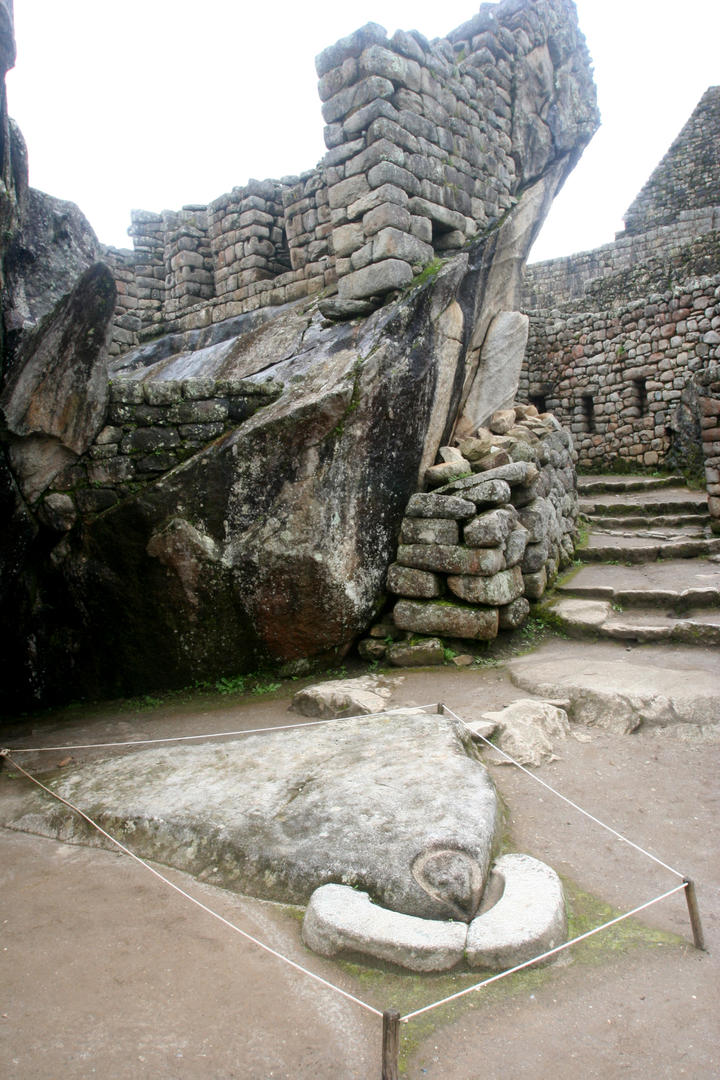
[155, 103]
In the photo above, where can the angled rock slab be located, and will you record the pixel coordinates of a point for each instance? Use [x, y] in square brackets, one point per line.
[340, 920]
[528, 919]
[397, 804]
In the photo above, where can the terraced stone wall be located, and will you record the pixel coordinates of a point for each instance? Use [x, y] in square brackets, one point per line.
[688, 177]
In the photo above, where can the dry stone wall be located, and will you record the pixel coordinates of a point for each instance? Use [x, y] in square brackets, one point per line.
[616, 377]
[473, 552]
[428, 143]
[622, 338]
[707, 385]
[152, 427]
[688, 177]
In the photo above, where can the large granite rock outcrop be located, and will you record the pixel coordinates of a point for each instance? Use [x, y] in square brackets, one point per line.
[355, 802]
[269, 537]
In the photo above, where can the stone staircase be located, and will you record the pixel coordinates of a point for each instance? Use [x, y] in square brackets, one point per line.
[652, 565]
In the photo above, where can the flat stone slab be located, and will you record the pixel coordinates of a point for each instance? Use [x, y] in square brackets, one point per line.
[527, 920]
[611, 688]
[397, 804]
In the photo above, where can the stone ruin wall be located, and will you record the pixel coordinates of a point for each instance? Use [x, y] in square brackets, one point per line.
[621, 337]
[419, 158]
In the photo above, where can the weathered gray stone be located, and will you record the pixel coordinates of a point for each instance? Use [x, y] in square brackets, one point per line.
[57, 392]
[429, 531]
[528, 919]
[427, 653]
[373, 280]
[514, 614]
[451, 620]
[535, 557]
[438, 475]
[515, 473]
[343, 697]
[501, 358]
[500, 589]
[515, 545]
[406, 581]
[490, 529]
[535, 583]
[342, 920]
[439, 506]
[529, 730]
[449, 559]
[501, 421]
[488, 492]
[266, 816]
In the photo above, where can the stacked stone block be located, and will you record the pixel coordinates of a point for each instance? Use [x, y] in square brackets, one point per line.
[152, 427]
[688, 176]
[633, 265]
[188, 262]
[424, 141]
[707, 383]
[248, 241]
[148, 234]
[308, 227]
[473, 552]
[616, 377]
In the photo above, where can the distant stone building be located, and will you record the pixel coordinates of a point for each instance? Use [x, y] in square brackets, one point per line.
[625, 340]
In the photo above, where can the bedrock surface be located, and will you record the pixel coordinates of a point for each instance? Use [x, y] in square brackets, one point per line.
[396, 804]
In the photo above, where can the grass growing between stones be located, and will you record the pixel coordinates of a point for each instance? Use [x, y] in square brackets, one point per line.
[389, 988]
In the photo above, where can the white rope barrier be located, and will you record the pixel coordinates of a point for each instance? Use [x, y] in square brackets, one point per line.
[542, 956]
[213, 735]
[441, 708]
[565, 799]
[193, 900]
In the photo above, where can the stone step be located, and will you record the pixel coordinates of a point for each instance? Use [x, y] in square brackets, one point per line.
[649, 521]
[672, 585]
[670, 501]
[598, 618]
[651, 530]
[598, 485]
[640, 548]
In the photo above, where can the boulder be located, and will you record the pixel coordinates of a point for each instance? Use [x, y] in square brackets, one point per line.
[353, 802]
[343, 697]
[528, 730]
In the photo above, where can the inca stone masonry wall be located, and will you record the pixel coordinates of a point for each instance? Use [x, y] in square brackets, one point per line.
[621, 337]
[688, 177]
[616, 377]
[423, 143]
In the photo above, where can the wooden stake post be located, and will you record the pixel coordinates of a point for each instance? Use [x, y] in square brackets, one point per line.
[390, 1044]
[694, 913]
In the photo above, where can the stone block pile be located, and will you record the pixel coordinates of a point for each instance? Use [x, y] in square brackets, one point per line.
[474, 551]
[152, 427]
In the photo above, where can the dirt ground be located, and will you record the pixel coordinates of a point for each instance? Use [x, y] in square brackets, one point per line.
[108, 973]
